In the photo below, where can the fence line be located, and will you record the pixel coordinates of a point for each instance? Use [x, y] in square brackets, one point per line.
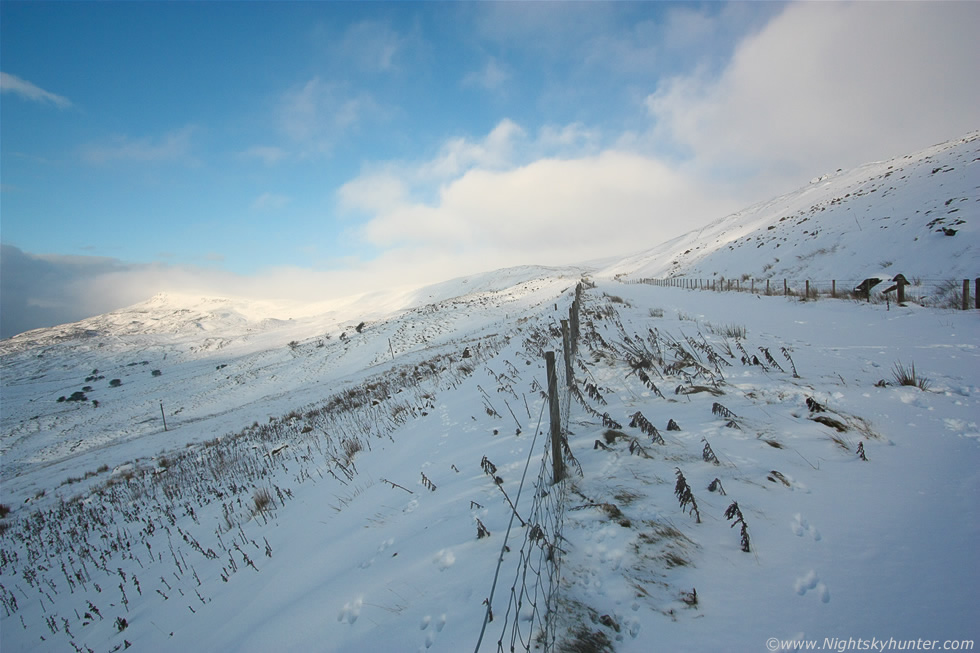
[943, 293]
[529, 619]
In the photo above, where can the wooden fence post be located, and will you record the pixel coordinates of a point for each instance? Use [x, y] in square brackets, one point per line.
[162, 414]
[807, 289]
[976, 292]
[966, 294]
[767, 287]
[567, 341]
[900, 288]
[833, 288]
[558, 471]
[785, 288]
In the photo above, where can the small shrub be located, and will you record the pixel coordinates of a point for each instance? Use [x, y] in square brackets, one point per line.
[907, 376]
[351, 447]
[156, 373]
[4, 510]
[656, 312]
[115, 383]
[261, 499]
[734, 331]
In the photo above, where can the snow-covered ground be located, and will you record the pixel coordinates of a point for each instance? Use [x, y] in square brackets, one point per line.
[374, 474]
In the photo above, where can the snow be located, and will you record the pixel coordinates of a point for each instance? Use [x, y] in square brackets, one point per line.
[385, 452]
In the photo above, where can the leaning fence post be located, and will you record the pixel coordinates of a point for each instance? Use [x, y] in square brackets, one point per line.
[966, 294]
[558, 471]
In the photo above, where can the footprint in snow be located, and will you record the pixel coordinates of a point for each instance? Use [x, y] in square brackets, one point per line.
[810, 581]
[427, 620]
[801, 527]
[430, 637]
[351, 611]
[444, 559]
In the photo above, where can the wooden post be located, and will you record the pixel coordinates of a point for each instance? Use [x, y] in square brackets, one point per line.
[767, 287]
[162, 414]
[567, 341]
[807, 289]
[966, 294]
[555, 412]
[753, 286]
[976, 292]
[573, 327]
[833, 288]
[900, 288]
[785, 288]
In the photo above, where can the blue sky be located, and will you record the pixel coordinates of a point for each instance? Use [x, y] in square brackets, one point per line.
[307, 150]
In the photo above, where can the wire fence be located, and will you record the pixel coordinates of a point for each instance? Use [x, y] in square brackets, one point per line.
[939, 293]
[529, 619]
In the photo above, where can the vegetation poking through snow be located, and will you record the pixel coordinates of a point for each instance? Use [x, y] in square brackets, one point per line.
[685, 497]
[734, 514]
[906, 375]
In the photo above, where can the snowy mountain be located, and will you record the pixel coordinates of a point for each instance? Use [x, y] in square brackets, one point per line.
[918, 215]
[744, 472]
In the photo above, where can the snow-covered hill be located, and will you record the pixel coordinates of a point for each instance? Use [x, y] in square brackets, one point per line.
[373, 474]
[889, 216]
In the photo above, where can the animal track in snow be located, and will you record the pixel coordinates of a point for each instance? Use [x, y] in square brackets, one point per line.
[430, 637]
[384, 545]
[801, 527]
[810, 581]
[351, 611]
[444, 559]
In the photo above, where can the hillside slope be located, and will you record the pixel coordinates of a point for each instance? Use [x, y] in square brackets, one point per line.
[887, 216]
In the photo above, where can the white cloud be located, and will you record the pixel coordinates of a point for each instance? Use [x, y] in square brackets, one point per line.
[508, 199]
[828, 85]
[552, 210]
[13, 84]
[376, 192]
[172, 146]
[316, 114]
[491, 77]
[374, 47]
[460, 154]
